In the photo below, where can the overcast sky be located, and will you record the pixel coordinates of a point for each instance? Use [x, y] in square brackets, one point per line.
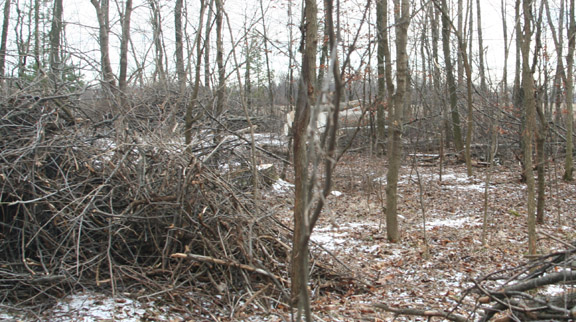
[81, 30]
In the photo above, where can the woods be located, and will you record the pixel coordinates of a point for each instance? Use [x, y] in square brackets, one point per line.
[203, 146]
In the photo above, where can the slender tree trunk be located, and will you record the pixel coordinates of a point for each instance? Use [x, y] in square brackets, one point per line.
[541, 129]
[504, 87]
[560, 76]
[37, 49]
[102, 8]
[207, 33]
[123, 75]
[306, 95]
[248, 67]
[180, 68]
[221, 91]
[385, 85]
[402, 21]
[528, 87]
[4, 39]
[55, 34]
[455, 116]
[481, 49]
[159, 68]
[267, 58]
[569, 162]
[189, 118]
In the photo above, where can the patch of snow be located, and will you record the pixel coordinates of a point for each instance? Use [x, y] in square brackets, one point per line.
[449, 222]
[554, 290]
[282, 186]
[336, 193]
[264, 166]
[475, 187]
[330, 240]
[92, 307]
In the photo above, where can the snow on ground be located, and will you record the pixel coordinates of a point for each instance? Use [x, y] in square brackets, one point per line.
[282, 186]
[96, 307]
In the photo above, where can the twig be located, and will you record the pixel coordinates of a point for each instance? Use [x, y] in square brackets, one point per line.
[418, 312]
[229, 263]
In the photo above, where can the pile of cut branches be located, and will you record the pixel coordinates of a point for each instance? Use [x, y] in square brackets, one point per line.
[525, 293]
[81, 209]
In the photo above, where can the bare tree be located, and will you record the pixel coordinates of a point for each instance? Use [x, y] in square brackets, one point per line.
[55, 34]
[221, 89]
[481, 68]
[568, 161]
[102, 13]
[4, 38]
[122, 79]
[529, 101]
[156, 19]
[402, 21]
[452, 89]
[307, 92]
[189, 117]
[385, 85]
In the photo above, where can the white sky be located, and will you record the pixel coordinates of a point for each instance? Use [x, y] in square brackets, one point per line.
[82, 30]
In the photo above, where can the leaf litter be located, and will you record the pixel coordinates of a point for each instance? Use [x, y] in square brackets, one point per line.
[351, 236]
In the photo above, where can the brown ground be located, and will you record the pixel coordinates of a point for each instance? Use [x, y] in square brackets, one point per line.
[352, 233]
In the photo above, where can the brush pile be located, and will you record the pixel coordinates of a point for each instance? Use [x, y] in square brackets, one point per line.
[540, 290]
[84, 205]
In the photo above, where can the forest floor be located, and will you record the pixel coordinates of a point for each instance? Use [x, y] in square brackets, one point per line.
[351, 236]
[428, 270]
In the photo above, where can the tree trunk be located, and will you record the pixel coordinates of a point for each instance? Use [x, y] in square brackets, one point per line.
[123, 75]
[156, 21]
[455, 116]
[189, 119]
[4, 39]
[102, 9]
[528, 87]
[402, 21]
[207, 33]
[306, 94]
[385, 85]
[180, 68]
[569, 162]
[480, 49]
[55, 34]
[221, 91]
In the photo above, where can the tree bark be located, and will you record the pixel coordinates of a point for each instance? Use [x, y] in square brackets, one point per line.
[221, 90]
[55, 34]
[4, 39]
[402, 21]
[189, 118]
[529, 101]
[302, 196]
[159, 71]
[385, 84]
[452, 89]
[123, 75]
[569, 162]
[102, 9]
